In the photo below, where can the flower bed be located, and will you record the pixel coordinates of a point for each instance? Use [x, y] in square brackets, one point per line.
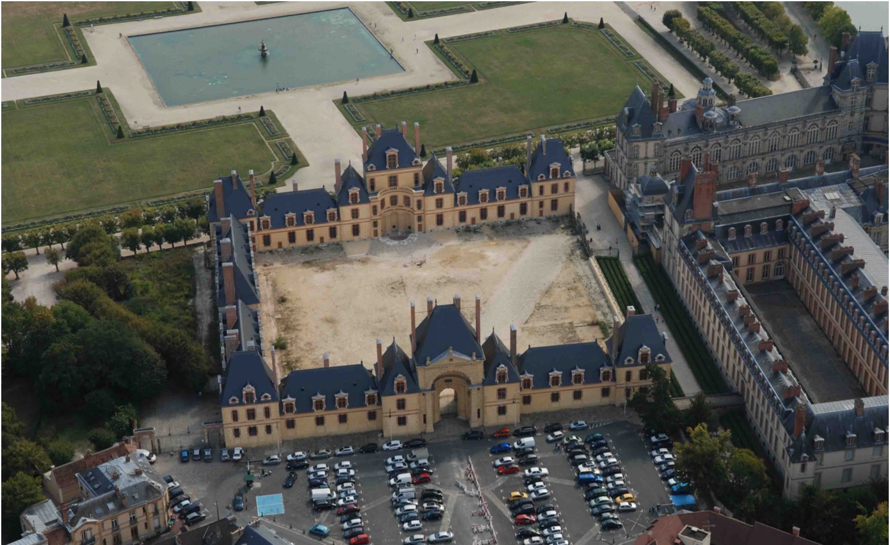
[488, 5]
[536, 26]
[466, 37]
[487, 143]
[652, 75]
[199, 194]
[452, 58]
[618, 43]
[354, 112]
[130, 17]
[285, 149]
[65, 219]
[270, 126]
[55, 98]
[75, 42]
[446, 11]
[200, 124]
[581, 24]
[108, 110]
[604, 120]
[401, 7]
[409, 91]
[43, 67]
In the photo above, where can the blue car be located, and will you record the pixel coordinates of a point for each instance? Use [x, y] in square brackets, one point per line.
[184, 455]
[501, 447]
[681, 488]
[320, 530]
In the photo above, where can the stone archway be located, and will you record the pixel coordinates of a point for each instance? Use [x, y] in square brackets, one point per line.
[452, 397]
[395, 222]
[447, 403]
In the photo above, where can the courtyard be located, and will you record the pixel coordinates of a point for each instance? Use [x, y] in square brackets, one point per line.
[520, 73]
[338, 300]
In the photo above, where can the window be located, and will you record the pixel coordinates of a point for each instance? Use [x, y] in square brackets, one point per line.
[355, 230]
[735, 150]
[605, 392]
[234, 416]
[400, 404]
[268, 429]
[772, 165]
[606, 375]
[754, 147]
[555, 380]
[440, 219]
[540, 190]
[780, 269]
[372, 184]
[267, 240]
[374, 210]
[526, 383]
[483, 196]
[565, 187]
[267, 412]
[554, 205]
[628, 376]
[406, 202]
[251, 431]
[440, 203]
[576, 395]
[416, 179]
[554, 172]
[526, 400]
[393, 200]
[554, 189]
[773, 143]
[735, 261]
[554, 397]
[439, 187]
[523, 208]
[290, 423]
[812, 135]
[462, 216]
[501, 211]
[644, 375]
[342, 402]
[342, 418]
[733, 172]
[318, 404]
[523, 191]
[577, 378]
[847, 476]
[831, 132]
[310, 235]
[731, 234]
[372, 415]
[767, 255]
[237, 432]
[501, 375]
[875, 472]
[878, 451]
[828, 154]
[752, 167]
[483, 213]
[401, 385]
[332, 231]
[793, 138]
[781, 253]
[319, 421]
[502, 410]
[251, 414]
[674, 162]
[849, 455]
[353, 199]
[419, 204]
[461, 200]
[790, 161]
[292, 237]
[696, 157]
[752, 258]
[392, 160]
[402, 421]
[502, 393]
[715, 153]
[749, 276]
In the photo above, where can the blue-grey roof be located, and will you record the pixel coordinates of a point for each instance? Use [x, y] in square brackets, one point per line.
[756, 241]
[349, 180]
[865, 48]
[242, 259]
[544, 156]
[682, 193]
[431, 171]
[652, 185]
[490, 179]
[390, 139]
[637, 331]
[636, 111]
[244, 368]
[564, 358]
[278, 205]
[443, 329]
[397, 363]
[258, 535]
[354, 380]
[236, 199]
[496, 355]
[832, 421]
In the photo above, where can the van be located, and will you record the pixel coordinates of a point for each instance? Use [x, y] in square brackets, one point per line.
[525, 442]
[409, 494]
[175, 491]
[586, 477]
[400, 479]
[321, 494]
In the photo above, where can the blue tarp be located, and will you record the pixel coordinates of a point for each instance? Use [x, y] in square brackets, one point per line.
[681, 500]
[272, 504]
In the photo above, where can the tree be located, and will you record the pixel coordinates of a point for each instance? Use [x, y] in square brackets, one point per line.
[668, 18]
[120, 131]
[602, 25]
[26, 457]
[699, 411]
[833, 23]
[83, 59]
[186, 228]
[590, 152]
[345, 99]
[703, 461]
[565, 18]
[52, 256]
[19, 492]
[101, 438]
[69, 317]
[436, 39]
[293, 159]
[411, 13]
[185, 358]
[98, 87]
[147, 237]
[121, 422]
[272, 179]
[15, 262]
[12, 428]
[171, 233]
[423, 150]
[61, 375]
[654, 404]
[873, 528]
[33, 239]
[473, 77]
[11, 242]
[65, 21]
[98, 405]
[131, 239]
[262, 112]
[60, 451]
[747, 478]
[92, 246]
[798, 40]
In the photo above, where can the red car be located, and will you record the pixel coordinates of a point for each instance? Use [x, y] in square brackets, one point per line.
[361, 539]
[508, 469]
[348, 508]
[524, 520]
[421, 478]
[501, 433]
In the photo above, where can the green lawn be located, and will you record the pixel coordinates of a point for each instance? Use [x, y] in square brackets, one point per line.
[29, 34]
[528, 81]
[57, 158]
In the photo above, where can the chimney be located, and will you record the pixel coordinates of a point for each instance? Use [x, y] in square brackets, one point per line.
[231, 315]
[799, 205]
[884, 291]
[413, 329]
[417, 138]
[252, 180]
[379, 359]
[795, 531]
[337, 176]
[229, 282]
[854, 166]
[880, 307]
[225, 249]
[630, 311]
[429, 305]
[765, 346]
[685, 167]
[275, 373]
[543, 145]
[64, 511]
[754, 327]
[672, 104]
[528, 151]
[749, 319]
[822, 227]
[800, 419]
[379, 130]
[513, 343]
[830, 240]
[870, 292]
[294, 186]
[364, 144]
[225, 224]
[845, 39]
[717, 509]
[752, 179]
[744, 310]
[478, 319]
[859, 405]
[832, 59]
[792, 391]
[617, 334]
[326, 360]
[820, 167]
[232, 339]
[812, 215]
[780, 366]
[839, 253]
[852, 265]
[854, 282]
[220, 198]
[457, 302]
[234, 179]
[783, 175]
[732, 295]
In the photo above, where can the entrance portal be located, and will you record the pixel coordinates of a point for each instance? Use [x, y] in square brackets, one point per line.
[447, 403]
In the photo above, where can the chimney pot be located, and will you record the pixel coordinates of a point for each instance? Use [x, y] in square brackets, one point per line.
[783, 175]
[417, 138]
[220, 198]
[228, 270]
[717, 509]
[405, 130]
[448, 160]
[795, 531]
[337, 176]
[326, 360]
[800, 419]
[379, 130]
[429, 305]
[252, 179]
[413, 329]
[234, 179]
[457, 301]
[631, 310]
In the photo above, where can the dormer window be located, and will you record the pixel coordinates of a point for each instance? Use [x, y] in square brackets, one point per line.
[439, 187]
[605, 375]
[818, 443]
[555, 378]
[401, 385]
[265, 223]
[233, 400]
[644, 354]
[803, 463]
[659, 358]
[332, 215]
[851, 439]
[265, 397]
[578, 376]
[871, 71]
[554, 172]
[879, 435]
[854, 84]
[731, 233]
[763, 228]
[501, 193]
[318, 402]
[372, 167]
[342, 400]
[526, 383]
[780, 225]
[541, 177]
[248, 394]
[523, 191]
[370, 398]
[462, 199]
[290, 406]
[353, 196]
[501, 375]
[290, 220]
[748, 230]
[416, 161]
[483, 195]
[308, 218]
[392, 159]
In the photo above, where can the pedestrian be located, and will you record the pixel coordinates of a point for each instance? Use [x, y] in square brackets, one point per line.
[416, 51]
[239, 109]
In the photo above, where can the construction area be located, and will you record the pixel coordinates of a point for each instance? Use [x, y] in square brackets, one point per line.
[337, 299]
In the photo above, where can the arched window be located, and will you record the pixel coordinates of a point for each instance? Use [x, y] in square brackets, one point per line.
[831, 132]
[754, 146]
[764, 227]
[793, 138]
[731, 233]
[813, 135]
[735, 150]
[772, 165]
[773, 142]
[828, 154]
[716, 152]
[696, 156]
[809, 158]
[674, 163]
[752, 167]
[790, 161]
[733, 173]
[747, 230]
[779, 225]
[780, 269]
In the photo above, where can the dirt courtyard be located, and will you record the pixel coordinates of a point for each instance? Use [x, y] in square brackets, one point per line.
[337, 300]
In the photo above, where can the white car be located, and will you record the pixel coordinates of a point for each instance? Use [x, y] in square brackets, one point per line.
[609, 462]
[659, 452]
[555, 538]
[440, 537]
[392, 445]
[534, 540]
[615, 477]
[578, 425]
[548, 515]
[180, 506]
[296, 456]
[552, 530]
[540, 494]
[626, 507]
[410, 508]
[345, 472]
[536, 486]
[602, 500]
[172, 484]
[346, 500]
[398, 466]
[536, 472]
[416, 538]
[273, 460]
[319, 467]
[393, 459]
[148, 455]
[344, 451]
[343, 465]
[506, 460]
[555, 436]
[346, 493]
[616, 484]
[603, 456]
[663, 459]
[237, 453]
[589, 466]
[352, 523]
[420, 464]
[346, 486]
[317, 475]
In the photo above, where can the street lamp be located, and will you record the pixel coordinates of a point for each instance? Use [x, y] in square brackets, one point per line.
[216, 504]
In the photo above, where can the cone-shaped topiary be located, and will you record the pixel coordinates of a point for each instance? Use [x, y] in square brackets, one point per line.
[293, 159]
[411, 13]
[262, 112]
[473, 77]
[83, 59]
[190, 6]
[671, 93]
[436, 39]
[565, 18]
[120, 131]
[345, 99]
[602, 24]
[98, 87]
[272, 178]
[423, 150]
[65, 21]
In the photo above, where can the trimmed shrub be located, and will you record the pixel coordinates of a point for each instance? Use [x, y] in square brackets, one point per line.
[473, 77]
[262, 112]
[602, 25]
[565, 18]
[345, 99]
[65, 21]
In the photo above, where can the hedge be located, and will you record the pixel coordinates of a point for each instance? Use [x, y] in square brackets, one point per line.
[618, 283]
[758, 57]
[680, 324]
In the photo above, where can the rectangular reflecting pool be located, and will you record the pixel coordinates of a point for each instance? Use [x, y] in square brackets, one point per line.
[224, 61]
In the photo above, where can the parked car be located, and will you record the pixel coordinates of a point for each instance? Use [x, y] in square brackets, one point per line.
[627, 507]
[501, 433]
[435, 514]
[540, 494]
[412, 526]
[421, 478]
[506, 460]
[664, 458]
[392, 445]
[324, 468]
[668, 473]
[578, 425]
[612, 524]
[297, 464]
[352, 532]
[238, 502]
[273, 460]
[319, 530]
[508, 469]
[296, 456]
[554, 436]
[525, 533]
[536, 486]
[501, 448]
[440, 537]
[409, 516]
[534, 540]
[185, 502]
[369, 448]
[536, 471]
[416, 538]
[415, 443]
[184, 456]
[523, 509]
[432, 493]
[525, 431]
[344, 451]
[528, 460]
[627, 497]
[550, 428]
[397, 467]
[659, 452]
[599, 510]
[237, 454]
[290, 480]
[224, 455]
[473, 435]
[208, 454]
[517, 496]
[194, 518]
[196, 454]
[616, 492]
[361, 539]
[352, 523]
[609, 462]
[594, 437]
[322, 454]
[524, 520]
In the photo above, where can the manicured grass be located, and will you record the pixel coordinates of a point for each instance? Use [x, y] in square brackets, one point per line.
[29, 28]
[527, 81]
[680, 323]
[618, 283]
[61, 157]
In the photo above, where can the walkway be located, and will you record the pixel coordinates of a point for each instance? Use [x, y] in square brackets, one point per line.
[309, 114]
[591, 199]
[715, 401]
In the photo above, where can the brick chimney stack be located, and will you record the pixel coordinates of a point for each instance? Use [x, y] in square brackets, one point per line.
[630, 311]
[859, 405]
[417, 138]
[752, 179]
[449, 161]
[457, 302]
[832, 59]
[413, 328]
[528, 151]
[478, 319]
[228, 270]
[513, 343]
[820, 167]
[379, 359]
[783, 175]
[405, 131]
[326, 360]
[364, 144]
[337, 175]
[795, 531]
[854, 166]
[379, 130]
[429, 305]
[800, 419]
[252, 180]
[220, 198]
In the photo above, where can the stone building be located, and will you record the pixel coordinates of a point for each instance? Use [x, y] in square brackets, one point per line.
[396, 194]
[769, 136]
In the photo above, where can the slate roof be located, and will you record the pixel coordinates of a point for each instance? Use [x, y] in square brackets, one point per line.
[65, 475]
[724, 531]
[390, 139]
[652, 185]
[681, 195]
[541, 160]
[490, 179]
[564, 358]
[636, 331]
[431, 170]
[242, 259]
[865, 48]
[496, 354]
[278, 205]
[221, 532]
[832, 421]
[636, 111]
[247, 324]
[244, 368]
[396, 362]
[445, 327]
[41, 516]
[351, 179]
[236, 199]
[260, 535]
[304, 384]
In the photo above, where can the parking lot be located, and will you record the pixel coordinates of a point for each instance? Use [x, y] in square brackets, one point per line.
[215, 483]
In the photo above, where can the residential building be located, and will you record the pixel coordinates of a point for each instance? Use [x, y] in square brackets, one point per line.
[715, 528]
